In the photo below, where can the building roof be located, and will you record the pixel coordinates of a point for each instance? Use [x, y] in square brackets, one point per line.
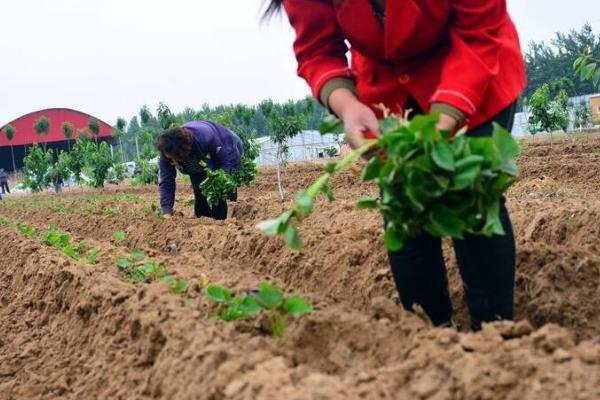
[25, 134]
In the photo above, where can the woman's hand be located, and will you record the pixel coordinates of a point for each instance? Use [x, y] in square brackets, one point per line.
[358, 118]
[447, 123]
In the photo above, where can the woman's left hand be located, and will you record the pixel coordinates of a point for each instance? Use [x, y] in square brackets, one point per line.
[447, 123]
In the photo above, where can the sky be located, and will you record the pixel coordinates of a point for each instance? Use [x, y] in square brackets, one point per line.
[109, 57]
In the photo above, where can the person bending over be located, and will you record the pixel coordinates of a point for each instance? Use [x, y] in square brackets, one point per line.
[192, 149]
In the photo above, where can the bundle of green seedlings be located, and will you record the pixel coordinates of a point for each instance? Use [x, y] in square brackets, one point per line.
[430, 181]
[218, 185]
[267, 298]
[137, 267]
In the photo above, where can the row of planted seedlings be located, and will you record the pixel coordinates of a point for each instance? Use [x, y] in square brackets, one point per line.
[268, 300]
[77, 251]
[86, 205]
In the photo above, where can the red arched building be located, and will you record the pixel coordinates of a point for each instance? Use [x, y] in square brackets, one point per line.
[25, 135]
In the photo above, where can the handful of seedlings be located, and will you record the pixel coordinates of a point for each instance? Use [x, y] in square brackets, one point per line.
[430, 181]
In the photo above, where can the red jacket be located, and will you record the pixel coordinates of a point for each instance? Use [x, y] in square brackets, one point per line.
[464, 53]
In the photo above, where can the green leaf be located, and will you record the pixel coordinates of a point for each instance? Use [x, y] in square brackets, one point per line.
[330, 124]
[91, 256]
[596, 78]
[270, 227]
[292, 237]
[328, 193]
[296, 306]
[232, 314]
[393, 239]
[505, 143]
[467, 171]
[269, 296]
[247, 306]
[389, 125]
[177, 286]
[443, 156]
[64, 239]
[445, 223]
[137, 255]
[368, 203]
[493, 225]
[304, 203]
[588, 71]
[139, 274]
[330, 167]
[373, 168]
[71, 253]
[124, 263]
[119, 236]
[218, 294]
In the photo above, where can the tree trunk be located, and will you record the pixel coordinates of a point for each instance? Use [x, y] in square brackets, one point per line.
[279, 184]
[13, 158]
[69, 144]
[137, 148]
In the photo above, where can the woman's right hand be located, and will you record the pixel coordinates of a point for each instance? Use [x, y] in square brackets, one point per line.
[358, 118]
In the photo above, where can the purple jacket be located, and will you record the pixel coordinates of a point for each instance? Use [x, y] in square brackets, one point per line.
[214, 147]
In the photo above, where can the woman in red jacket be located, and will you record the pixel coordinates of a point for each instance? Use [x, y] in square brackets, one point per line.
[461, 58]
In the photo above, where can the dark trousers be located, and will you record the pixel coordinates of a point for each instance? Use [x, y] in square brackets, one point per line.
[201, 206]
[5, 188]
[486, 264]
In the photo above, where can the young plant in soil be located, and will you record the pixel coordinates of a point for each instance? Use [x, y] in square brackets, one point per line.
[430, 182]
[27, 231]
[268, 298]
[91, 256]
[119, 236]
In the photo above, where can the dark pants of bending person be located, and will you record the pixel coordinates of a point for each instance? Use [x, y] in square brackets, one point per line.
[486, 264]
[201, 206]
[5, 188]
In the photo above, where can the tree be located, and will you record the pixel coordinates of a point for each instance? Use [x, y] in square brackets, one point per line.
[145, 115]
[59, 170]
[118, 132]
[78, 157]
[560, 109]
[547, 63]
[83, 135]
[67, 130]
[42, 127]
[36, 168]
[94, 127]
[548, 114]
[166, 119]
[582, 115]
[132, 133]
[282, 127]
[9, 132]
[99, 163]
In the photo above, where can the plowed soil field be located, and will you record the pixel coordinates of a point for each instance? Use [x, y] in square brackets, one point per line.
[69, 330]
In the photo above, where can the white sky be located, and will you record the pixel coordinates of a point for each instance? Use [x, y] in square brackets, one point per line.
[109, 57]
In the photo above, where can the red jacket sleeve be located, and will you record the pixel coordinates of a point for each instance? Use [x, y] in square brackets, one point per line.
[320, 44]
[475, 41]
